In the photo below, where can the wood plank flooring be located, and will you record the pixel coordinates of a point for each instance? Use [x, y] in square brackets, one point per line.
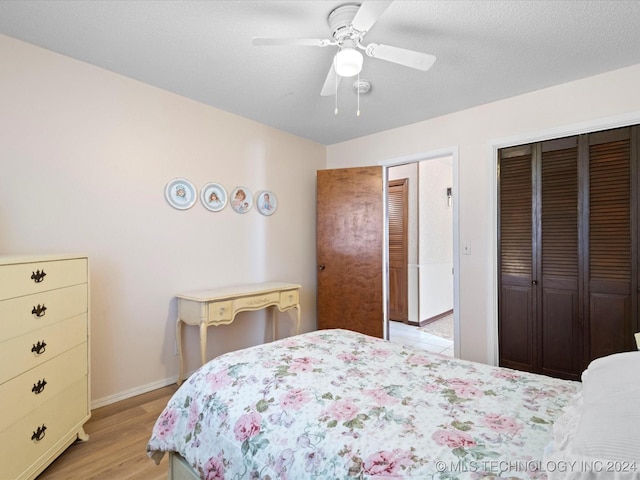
[116, 449]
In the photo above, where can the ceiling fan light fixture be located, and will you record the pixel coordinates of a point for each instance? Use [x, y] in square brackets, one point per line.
[348, 62]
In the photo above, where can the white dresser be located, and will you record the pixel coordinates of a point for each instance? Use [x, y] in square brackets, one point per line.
[44, 374]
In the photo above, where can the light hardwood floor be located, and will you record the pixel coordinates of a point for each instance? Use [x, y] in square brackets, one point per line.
[118, 435]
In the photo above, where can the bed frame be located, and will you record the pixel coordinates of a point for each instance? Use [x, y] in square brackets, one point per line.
[179, 469]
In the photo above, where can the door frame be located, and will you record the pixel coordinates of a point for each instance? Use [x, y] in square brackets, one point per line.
[415, 158]
[494, 145]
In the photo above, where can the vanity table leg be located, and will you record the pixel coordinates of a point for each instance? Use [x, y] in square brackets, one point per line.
[203, 342]
[179, 346]
[273, 323]
[298, 321]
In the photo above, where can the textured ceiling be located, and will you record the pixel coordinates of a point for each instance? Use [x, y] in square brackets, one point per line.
[486, 51]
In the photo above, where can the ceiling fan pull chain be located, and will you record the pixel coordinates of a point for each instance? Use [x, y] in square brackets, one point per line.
[335, 70]
[358, 89]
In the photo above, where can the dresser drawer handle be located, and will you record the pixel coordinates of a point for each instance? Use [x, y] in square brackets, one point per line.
[39, 347]
[39, 311]
[221, 311]
[38, 276]
[39, 433]
[39, 387]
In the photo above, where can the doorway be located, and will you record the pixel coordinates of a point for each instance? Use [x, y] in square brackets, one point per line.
[429, 321]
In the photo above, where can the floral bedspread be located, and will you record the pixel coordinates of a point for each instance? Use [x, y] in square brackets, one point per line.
[335, 404]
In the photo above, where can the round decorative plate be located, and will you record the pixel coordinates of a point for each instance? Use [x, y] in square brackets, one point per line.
[267, 203]
[180, 193]
[213, 196]
[241, 199]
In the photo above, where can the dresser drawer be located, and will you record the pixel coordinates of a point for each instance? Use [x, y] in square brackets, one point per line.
[257, 301]
[20, 315]
[288, 299]
[220, 311]
[18, 355]
[62, 416]
[34, 388]
[22, 278]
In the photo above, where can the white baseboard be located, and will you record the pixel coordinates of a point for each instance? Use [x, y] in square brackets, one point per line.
[103, 402]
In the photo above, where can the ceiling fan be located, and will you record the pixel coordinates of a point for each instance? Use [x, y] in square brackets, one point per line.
[349, 24]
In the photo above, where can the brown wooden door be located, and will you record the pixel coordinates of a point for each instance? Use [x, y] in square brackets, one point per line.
[349, 243]
[517, 331]
[561, 323]
[612, 251]
[397, 200]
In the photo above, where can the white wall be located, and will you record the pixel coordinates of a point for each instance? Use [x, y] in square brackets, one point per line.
[604, 100]
[84, 158]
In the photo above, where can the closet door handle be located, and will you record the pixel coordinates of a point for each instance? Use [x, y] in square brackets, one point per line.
[321, 267]
[534, 282]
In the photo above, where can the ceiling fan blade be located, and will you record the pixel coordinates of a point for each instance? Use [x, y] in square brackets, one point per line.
[369, 13]
[304, 42]
[330, 83]
[402, 56]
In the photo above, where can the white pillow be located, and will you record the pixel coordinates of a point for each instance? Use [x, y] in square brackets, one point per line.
[609, 425]
[598, 436]
[617, 373]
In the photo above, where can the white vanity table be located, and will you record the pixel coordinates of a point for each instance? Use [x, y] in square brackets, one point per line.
[220, 306]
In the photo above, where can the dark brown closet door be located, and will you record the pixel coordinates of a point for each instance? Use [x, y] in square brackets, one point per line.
[610, 262]
[517, 334]
[579, 212]
[561, 330]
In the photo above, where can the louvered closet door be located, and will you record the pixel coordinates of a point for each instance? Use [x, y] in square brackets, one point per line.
[398, 269]
[568, 251]
[612, 253]
[516, 329]
[561, 329]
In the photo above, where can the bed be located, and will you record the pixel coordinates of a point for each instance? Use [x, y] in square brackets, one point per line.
[335, 404]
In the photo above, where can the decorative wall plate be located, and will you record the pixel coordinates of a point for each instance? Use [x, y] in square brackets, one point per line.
[266, 203]
[180, 193]
[213, 196]
[241, 199]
